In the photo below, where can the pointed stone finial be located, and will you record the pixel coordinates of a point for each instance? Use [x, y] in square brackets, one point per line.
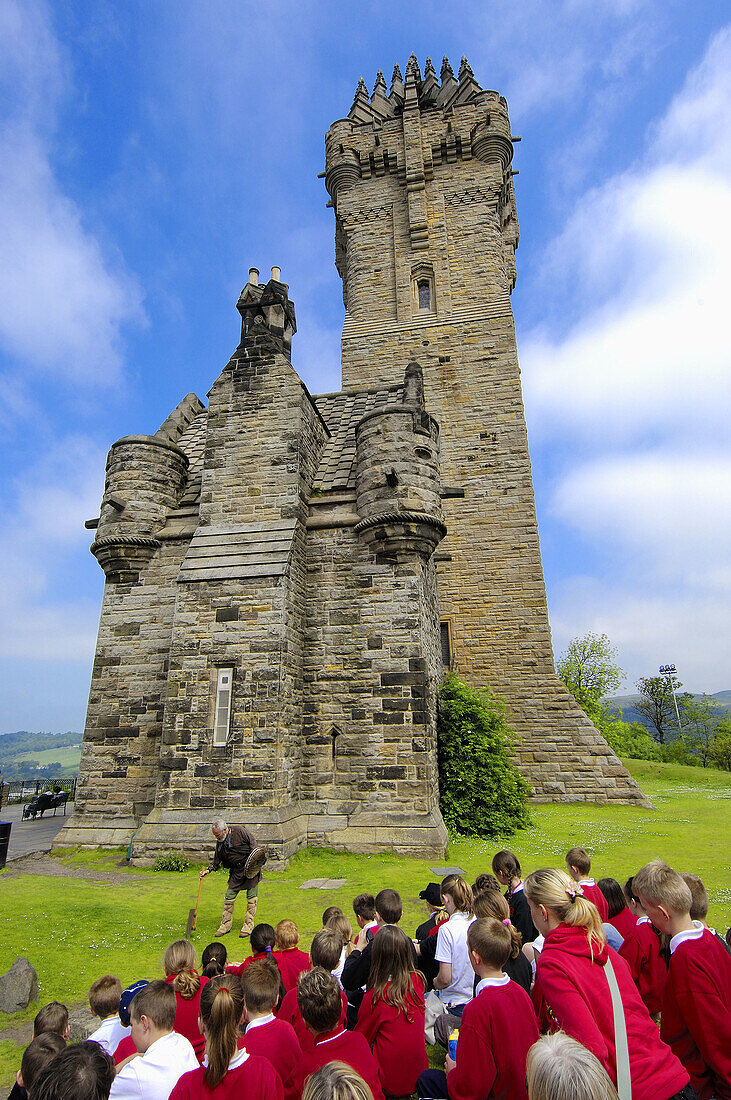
[465, 70]
[380, 81]
[429, 69]
[412, 68]
[429, 89]
[379, 100]
[361, 109]
[396, 78]
[446, 68]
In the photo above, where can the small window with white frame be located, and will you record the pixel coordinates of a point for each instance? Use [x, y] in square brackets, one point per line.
[222, 713]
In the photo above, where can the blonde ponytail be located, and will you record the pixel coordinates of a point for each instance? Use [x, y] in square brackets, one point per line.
[557, 891]
[222, 1006]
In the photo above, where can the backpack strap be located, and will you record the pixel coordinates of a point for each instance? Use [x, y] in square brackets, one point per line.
[624, 1079]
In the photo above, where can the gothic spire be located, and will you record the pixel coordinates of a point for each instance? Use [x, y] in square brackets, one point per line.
[412, 68]
[379, 100]
[465, 70]
[449, 87]
[361, 109]
[430, 86]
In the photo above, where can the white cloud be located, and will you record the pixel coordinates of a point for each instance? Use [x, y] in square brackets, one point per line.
[65, 300]
[631, 405]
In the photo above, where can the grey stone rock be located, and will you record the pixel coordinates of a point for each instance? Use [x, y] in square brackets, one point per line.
[18, 986]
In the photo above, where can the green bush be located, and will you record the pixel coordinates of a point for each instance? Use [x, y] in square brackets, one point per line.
[632, 740]
[482, 793]
[172, 861]
[677, 752]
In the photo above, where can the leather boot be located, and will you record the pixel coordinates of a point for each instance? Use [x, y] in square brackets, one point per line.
[227, 919]
[249, 918]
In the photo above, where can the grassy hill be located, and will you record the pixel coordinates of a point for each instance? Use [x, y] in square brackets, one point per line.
[23, 752]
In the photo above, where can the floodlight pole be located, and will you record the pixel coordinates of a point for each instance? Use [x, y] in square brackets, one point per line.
[670, 671]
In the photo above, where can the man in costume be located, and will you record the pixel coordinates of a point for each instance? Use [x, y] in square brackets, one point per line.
[234, 844]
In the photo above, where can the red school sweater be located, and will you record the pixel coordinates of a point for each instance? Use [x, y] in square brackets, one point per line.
[292, 963]
[397, 1040]
[573, 984]
[497, 1031]
[342, 1046]
[625, 922]
[252, 1076]
[289, 1011]
[641, 952]
[696, 1013]
[277, 1042]
[186, 1018]
[592, 893]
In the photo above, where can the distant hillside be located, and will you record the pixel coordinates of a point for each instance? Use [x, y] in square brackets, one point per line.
[24, 755]
[626, 704]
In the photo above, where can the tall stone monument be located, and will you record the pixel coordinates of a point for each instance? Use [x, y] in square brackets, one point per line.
[288, 575]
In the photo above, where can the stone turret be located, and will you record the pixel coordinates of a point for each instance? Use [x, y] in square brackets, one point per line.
[397, 475]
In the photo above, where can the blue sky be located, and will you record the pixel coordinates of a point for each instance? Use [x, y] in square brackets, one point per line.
[150, 153]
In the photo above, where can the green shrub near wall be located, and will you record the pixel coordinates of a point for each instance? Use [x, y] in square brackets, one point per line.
[482, 793]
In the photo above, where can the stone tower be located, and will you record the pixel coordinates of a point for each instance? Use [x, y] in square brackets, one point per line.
[287, 575]
[425, 237]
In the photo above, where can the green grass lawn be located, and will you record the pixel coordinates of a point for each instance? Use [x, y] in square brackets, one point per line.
[74, 930]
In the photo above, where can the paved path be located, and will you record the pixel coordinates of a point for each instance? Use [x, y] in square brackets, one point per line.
[32, 836]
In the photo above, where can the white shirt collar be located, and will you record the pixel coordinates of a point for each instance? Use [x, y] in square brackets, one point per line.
[260, 1021]
[487, 982]
[517, 889]
[644, 920]
[586, 882]
[238, 1059]
[321, 1042]
[693, 933]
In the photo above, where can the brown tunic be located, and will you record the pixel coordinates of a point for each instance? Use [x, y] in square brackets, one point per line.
[232, 852]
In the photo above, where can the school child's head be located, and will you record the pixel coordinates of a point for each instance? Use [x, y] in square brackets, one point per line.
[104, 996]
[125, 1001]
[318, 997]
[215, 952]
[326, 949]
[82, 1071]
[699, 895]
[260, 987]
[36, 1056]
[457, 896]
[340, 924]
[221, 1008]
[560, 1068]
[554, 898]
[262, 937]
[52, 1017]
[633, 902]
[432, 895]
[578, 862]
[331, 911]
[336, 1081]
[505, 867]
[391, 962]
[179, 963]
[663, 893]
[489, 943]
[485, 882]
[286, 935]
[152, 1013]
[364, 907]
[614, 894]
[491, 903]
[389, 908]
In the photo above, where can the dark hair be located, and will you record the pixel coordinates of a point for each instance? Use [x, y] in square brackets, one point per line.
[331, 911]
[326, 949]
[212, 969]
[104, 996]
[580, 859]
[389, 906]
[83, 1071]
[614, 894]
[364, 906]
[262, 936]
[629, 891]
[156, 1000]
[485, 882]
[318, 997]
[506, 862]
[36, 1056]
[260, 985]
[52, 1017]
[215, 951]
[491, 940]
[391, 976]
[221, 1007]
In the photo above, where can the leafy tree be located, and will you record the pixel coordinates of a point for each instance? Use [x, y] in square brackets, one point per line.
[589, 669]
[482, 793]
[657, 705]
[631, 739]
[700, 717]
[720, 748]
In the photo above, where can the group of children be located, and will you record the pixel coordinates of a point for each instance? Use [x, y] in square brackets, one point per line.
[552, 990]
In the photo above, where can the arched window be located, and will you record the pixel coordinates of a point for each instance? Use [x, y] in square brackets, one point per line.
[424, 291]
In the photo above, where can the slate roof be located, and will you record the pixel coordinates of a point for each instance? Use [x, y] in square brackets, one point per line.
[341, 412]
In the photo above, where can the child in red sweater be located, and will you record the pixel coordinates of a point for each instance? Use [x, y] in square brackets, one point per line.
[229, 1072]
[325, 952]
[180, 973]
[498, 1027]
[266, 1035]
[619, 915]
[579, 865]
[318, 996]
[290, 960]
[391, 1014]
[641, 951]
[262, 942]
[572, 982]
[696, 1007]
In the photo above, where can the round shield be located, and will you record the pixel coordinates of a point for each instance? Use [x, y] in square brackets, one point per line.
[255, 862]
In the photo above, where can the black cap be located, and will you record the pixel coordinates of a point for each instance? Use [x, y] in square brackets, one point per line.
[126, 999]
[432, 894]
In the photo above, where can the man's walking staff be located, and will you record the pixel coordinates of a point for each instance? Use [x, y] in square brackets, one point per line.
[193, 913]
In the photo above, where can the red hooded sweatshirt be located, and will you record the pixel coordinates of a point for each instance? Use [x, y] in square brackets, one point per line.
[574, 987]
